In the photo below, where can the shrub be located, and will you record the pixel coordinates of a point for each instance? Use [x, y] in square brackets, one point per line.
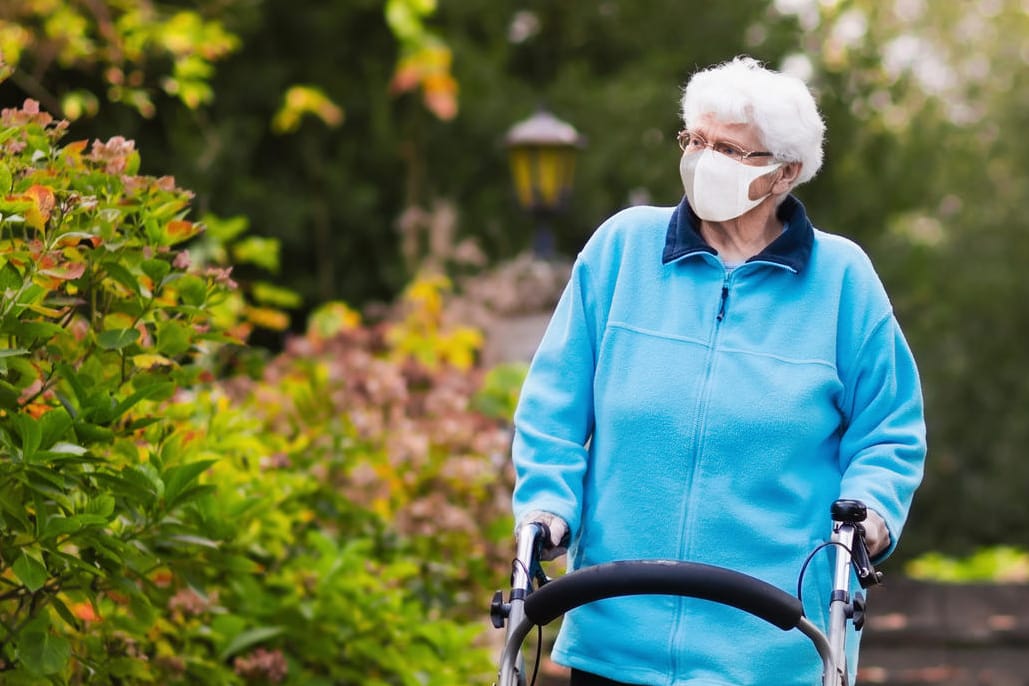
[102, 317]
[330, 518]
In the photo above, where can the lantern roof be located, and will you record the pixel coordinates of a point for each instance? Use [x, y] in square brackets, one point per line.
[543, 128]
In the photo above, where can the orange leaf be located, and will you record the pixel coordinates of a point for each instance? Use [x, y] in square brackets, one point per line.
[43, 198]
[405, 77]
[76, 147]
[37, 410]
[85, 611]
[78, 238]
[66, 271]
[179, 230]
[268, 318]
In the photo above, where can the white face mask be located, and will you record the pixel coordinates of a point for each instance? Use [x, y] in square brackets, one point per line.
[717, 187]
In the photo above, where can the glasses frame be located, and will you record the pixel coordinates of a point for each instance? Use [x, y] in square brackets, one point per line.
[685, 135]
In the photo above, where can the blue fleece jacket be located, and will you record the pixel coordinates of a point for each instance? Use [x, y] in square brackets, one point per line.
[678, 410]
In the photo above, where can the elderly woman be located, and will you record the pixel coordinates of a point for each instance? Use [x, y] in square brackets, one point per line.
[715, 375]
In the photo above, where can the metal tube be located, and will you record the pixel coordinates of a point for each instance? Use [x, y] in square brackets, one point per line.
[843, 535]
[511, 662]
[526, 542]
[821, 643]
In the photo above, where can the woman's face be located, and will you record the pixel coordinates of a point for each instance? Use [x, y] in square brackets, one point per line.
[744, 137]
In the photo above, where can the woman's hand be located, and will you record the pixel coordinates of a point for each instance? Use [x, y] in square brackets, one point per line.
[877, 536]
[554, 547]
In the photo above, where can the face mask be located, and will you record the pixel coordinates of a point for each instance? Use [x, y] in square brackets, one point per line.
[717, 187]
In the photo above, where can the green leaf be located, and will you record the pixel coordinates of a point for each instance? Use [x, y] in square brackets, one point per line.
[131, 485]
[192, 290]
[11, 352]
[43, 653]
[156, 390]
[72, 377]
[30, 332]
[92, 433]
[177, 479]
[192, 493]
[6, 179]
[264, 252]
[53, 425]
[102, 505]
[131, 670]
[271, 294]
[64, 612]
[121, 275]
[132, 163]
[9, 396]
[30, 572]
[31, 435]
[10, 277]
[156, 270]
[173, 337]
[14, 508]
[189, 539]
[58, 526]
[245, 639]
[117, 339]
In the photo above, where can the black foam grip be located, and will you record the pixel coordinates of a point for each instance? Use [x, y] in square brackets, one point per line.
[663, 577]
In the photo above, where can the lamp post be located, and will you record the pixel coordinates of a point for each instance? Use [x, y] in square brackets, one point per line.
[542, 151]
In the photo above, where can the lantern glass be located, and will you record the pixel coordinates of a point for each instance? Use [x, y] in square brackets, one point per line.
[543, 175]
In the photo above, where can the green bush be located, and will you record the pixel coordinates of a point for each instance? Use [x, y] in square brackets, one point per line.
[1000, 564]
[334, 516]
[102, 318]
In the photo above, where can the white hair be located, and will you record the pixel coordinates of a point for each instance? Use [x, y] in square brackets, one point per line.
[743, 91]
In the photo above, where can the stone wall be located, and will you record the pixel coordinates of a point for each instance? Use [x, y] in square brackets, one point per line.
[954, 635]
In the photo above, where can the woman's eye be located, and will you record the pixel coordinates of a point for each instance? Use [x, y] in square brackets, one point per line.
[729, 150]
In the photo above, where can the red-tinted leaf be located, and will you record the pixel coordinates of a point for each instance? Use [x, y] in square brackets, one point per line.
[179, 230]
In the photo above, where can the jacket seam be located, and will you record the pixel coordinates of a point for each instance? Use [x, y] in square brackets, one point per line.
[847, 384]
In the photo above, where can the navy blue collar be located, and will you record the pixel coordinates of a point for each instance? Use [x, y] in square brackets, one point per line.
[791, 249]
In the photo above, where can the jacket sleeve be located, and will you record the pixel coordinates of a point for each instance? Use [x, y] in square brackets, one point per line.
[554, 417]
[883, 447]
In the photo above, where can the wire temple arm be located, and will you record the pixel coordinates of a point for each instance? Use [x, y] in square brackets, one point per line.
[664, 577]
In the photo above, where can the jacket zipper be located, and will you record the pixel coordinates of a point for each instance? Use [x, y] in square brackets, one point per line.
[684, 543]
[725, 296]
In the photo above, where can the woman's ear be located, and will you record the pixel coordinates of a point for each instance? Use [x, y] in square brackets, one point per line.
[787, 178]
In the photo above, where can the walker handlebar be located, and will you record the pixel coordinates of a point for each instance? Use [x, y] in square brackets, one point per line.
[663, 577]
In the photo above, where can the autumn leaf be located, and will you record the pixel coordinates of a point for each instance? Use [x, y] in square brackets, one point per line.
[65, 271]
[149, 360]
[268, 318]
[85, 611]
[179, 230]
[43, 202]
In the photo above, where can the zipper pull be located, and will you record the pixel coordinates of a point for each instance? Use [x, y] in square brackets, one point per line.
[721, 307]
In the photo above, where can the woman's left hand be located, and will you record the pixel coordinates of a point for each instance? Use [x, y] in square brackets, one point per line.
[877, 536]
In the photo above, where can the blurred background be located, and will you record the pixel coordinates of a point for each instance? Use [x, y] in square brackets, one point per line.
[363, 148]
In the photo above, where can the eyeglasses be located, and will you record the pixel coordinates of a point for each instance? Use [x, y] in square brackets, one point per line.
[694, 142]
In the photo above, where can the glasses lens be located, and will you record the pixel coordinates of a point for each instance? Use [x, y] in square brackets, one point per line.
[730, 151]
[690, 142]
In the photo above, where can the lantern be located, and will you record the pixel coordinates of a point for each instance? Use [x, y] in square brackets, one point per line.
[542, 151]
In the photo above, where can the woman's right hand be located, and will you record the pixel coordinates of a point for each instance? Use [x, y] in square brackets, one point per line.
[556, 546]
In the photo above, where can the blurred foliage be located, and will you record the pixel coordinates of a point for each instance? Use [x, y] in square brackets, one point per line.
[103, 315]
[1001, 564]
[133, 47]
[925, 167]
[334, 516]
